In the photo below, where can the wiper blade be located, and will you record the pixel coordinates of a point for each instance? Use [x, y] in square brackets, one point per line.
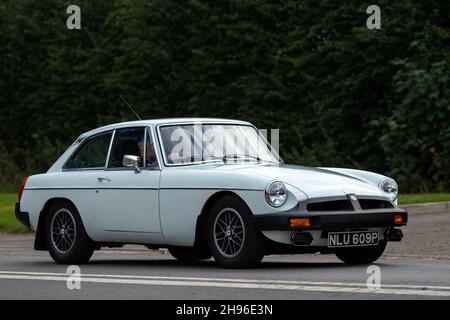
[236, 156]
[239, 156]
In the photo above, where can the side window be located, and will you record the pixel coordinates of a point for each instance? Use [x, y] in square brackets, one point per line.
[128, 141]
[92, 154]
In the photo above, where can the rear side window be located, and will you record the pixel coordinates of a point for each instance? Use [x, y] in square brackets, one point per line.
[92, 153]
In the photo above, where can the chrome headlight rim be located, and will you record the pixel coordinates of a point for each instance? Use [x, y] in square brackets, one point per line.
[270, 193]
[390, 187]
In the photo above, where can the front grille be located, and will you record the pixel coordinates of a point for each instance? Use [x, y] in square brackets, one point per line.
[334, 205]
[368, 204]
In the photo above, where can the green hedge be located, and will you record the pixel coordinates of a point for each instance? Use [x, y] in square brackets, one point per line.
[341, 95]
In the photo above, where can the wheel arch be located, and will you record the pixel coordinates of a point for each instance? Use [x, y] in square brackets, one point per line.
[201, 249]
[39, 242]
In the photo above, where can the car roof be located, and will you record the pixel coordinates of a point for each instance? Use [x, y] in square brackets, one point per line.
[163, 121]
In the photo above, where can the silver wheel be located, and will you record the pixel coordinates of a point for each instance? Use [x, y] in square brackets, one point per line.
[63, 231]
[229, 232]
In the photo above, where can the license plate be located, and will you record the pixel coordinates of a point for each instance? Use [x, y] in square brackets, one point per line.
[352, 239]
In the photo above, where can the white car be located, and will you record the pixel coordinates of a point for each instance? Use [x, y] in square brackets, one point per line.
[202, 188]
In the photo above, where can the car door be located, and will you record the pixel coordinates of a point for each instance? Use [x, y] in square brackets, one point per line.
[129, 196]
[79, 178]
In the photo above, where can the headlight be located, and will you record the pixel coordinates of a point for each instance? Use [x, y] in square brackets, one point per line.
[391, 188]
[276, 194]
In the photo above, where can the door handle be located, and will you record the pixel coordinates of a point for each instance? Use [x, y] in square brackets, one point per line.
[101, 179]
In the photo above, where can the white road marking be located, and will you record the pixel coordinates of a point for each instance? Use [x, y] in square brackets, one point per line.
[418, 290]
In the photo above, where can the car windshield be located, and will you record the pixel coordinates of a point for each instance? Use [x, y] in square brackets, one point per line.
[194, 143]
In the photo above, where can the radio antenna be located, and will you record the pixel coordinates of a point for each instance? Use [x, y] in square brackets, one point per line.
[129, 106]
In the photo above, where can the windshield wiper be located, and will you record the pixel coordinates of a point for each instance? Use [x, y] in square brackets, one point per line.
[240, 156]
[236, 156]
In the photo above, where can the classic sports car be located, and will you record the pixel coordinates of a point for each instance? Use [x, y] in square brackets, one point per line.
[202, 188]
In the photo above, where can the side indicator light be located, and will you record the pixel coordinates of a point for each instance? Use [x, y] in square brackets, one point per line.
[398, 219]
[299, 222]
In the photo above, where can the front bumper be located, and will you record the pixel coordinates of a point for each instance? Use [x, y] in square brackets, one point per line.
[332, 221]
[23, 217]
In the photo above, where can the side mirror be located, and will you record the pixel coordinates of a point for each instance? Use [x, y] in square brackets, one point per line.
[131, 161]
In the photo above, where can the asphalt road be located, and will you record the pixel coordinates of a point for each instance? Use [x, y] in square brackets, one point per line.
[417, 268]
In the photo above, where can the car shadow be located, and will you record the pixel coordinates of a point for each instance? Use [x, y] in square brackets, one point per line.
[211, 264]
[289, 262]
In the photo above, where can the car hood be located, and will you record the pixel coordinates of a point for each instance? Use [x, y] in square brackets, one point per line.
[315, 182]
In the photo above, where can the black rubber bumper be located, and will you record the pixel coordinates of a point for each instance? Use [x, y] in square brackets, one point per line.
[23, 217]
[327, 221]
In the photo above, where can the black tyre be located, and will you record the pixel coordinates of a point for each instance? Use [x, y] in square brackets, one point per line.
[361, 255]
[232, 237]
[182, 253]
[66, 238]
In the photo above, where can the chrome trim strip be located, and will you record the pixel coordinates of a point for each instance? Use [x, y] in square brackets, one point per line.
[140, 188]
[155, 148]
[110, 148]
[93, 188]
[209, 188]
[144, 161]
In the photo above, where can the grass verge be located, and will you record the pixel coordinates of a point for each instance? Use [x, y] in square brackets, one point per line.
[423, 198]
[8, 221]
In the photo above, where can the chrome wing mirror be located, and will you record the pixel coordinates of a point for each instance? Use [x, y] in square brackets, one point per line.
[131, 161]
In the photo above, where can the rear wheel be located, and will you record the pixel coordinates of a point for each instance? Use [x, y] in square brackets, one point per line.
[361, 255]
[67, 240]
[232, 237]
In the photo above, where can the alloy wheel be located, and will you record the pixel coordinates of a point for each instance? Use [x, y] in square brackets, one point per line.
[229, 232]
[63, 231]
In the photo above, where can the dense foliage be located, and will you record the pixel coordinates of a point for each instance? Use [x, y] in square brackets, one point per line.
[341, 95]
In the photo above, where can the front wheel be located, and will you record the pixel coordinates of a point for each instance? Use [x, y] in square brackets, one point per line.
[232, 237]
[67, 240]
[361, 255]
